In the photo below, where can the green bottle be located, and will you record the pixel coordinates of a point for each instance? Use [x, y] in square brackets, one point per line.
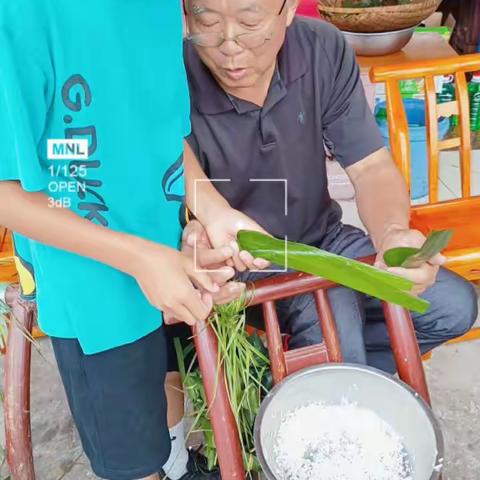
[410, 88]
[381, 114]
[474, 94]
[448, 95]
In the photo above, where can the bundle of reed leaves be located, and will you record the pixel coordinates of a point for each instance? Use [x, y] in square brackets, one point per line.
[246, 365]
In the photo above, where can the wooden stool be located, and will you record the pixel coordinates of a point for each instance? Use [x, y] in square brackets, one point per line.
[266, 292]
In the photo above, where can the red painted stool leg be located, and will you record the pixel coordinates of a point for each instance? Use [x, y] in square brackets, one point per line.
[17, 390]
[405, 349]
[224, 426]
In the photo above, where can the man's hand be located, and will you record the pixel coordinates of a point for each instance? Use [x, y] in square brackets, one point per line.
[196, 245]
[424, 276]
[223, 231]
[168, 279]
[221, 222]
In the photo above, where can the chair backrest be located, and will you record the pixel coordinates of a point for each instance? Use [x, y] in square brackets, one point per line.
[266, 291]
[397, 120]
[399, 324]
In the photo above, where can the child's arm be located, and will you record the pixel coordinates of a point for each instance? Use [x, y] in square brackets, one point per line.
[167, 277]
[201, 196]
[27, 82]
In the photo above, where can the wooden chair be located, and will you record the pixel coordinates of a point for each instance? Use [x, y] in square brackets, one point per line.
[264, 292]
[463, 214]
[8, 272]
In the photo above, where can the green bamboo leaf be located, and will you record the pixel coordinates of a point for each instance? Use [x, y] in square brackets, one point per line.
[435, 243]
[395, 257]
[344, 271]
[264, 246]
[414, 257]
[180, 357]
[257, 344]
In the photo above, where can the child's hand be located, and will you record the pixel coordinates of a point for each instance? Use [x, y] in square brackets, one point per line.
[168, 279]
[195, 244]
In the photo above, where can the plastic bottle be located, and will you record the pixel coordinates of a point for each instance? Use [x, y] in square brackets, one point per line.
[381, 114]
[448, 95]
[411, 88]
[474, 94]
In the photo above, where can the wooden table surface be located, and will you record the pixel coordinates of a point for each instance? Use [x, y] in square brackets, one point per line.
[422, 46]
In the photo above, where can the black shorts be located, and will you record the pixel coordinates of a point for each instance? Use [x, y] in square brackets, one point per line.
[117, 399]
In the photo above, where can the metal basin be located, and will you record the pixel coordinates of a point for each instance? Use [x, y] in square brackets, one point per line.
[391, 399]
[376, 44]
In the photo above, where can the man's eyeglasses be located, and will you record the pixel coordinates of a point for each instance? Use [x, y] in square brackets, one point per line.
[244, 40]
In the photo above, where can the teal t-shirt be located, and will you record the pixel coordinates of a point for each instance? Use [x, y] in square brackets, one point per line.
[110, 72]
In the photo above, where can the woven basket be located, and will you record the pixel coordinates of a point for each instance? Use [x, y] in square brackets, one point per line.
[376, 19]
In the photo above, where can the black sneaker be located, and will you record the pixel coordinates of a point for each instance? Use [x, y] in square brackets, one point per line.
[197, 468]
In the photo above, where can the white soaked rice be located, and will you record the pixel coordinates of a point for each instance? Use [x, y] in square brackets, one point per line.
[339, 442]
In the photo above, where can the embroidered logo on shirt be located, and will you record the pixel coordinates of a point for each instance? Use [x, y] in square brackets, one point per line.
[301, 118]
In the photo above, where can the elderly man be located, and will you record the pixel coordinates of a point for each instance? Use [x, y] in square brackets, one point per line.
[268, 90]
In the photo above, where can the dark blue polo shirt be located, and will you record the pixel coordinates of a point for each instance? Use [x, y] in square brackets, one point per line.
[269, 162]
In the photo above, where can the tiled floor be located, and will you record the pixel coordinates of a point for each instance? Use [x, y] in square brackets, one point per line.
[450, 175]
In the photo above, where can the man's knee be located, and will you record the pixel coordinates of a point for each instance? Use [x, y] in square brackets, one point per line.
[465, 295]
[454, 306]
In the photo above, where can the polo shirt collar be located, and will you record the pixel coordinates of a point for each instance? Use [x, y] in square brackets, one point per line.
[211, 99]
[276, 92]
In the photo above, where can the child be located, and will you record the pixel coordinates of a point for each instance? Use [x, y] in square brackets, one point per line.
[93, 224]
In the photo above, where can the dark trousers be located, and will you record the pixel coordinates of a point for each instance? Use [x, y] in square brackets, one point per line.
[359, 318]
